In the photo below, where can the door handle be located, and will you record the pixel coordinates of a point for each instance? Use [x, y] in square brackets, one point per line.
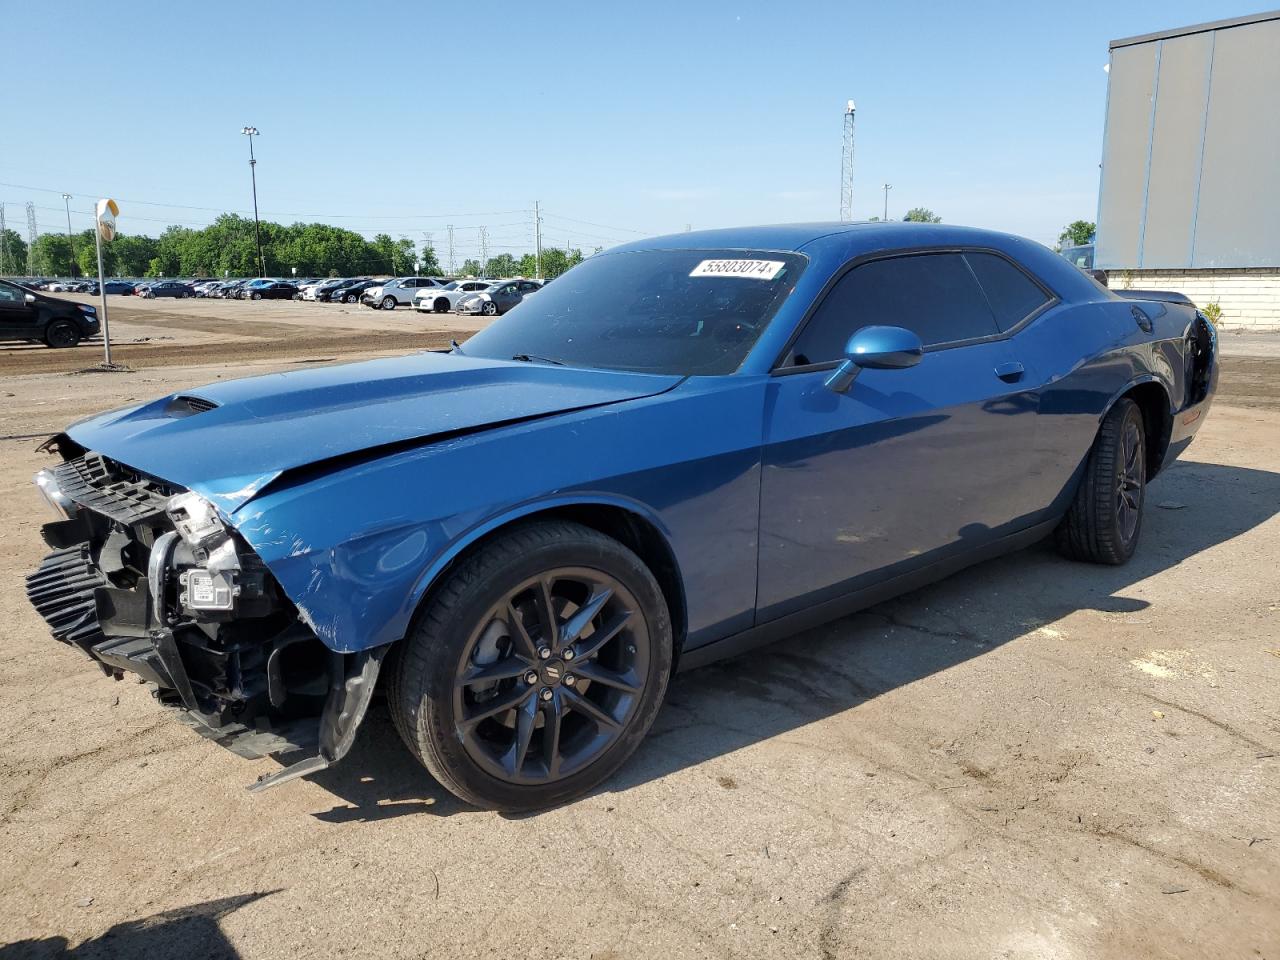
[1010, 371]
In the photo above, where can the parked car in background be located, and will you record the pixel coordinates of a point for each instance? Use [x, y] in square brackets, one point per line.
[121, 288]
[26, 314]
[445, 298]
[272, 290]
[320, 292]
[349, 292]
[168, 288]
[205, 287]
[393, 293]
[499, 298]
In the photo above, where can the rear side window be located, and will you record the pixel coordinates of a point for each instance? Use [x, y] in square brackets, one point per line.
[934, 295]
[1013, 295]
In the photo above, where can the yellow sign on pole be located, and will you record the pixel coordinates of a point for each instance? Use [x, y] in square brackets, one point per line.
[108, 210]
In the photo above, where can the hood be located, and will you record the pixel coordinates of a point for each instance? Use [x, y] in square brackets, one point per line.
[228, 440]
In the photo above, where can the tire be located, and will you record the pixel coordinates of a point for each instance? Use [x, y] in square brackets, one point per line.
[257, 296]
[388, 303]
[442, 717]
[489, 309]
[62, 333]
[1105, 518]
[351, 298]
[441, 305]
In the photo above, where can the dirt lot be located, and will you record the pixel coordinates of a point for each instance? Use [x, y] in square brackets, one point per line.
[1033, 759]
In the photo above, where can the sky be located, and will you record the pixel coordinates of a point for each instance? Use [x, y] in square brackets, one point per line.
[622, 120]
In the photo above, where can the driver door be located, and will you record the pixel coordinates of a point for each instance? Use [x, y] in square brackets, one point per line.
[906, 467]
[17, 317]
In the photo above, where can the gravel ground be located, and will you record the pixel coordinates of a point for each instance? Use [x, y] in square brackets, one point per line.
[1032, 759]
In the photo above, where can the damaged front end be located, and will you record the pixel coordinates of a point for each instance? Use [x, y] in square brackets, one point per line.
[149, 579]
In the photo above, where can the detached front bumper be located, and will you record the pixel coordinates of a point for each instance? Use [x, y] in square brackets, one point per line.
[149, 580]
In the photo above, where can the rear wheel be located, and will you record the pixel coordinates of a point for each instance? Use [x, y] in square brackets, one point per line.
[62, 333]
[535, 669]
[1105, 518]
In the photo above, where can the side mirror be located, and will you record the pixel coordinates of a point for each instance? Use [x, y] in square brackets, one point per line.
[29, 297]
[876, 348]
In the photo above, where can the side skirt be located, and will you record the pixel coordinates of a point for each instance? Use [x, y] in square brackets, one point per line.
[793, 623]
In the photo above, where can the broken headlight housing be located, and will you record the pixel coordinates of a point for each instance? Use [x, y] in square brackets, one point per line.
[215, 574]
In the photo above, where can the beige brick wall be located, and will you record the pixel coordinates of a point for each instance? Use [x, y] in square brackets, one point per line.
[1249, 298]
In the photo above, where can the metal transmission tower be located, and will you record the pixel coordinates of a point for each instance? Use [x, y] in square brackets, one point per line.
[537, 241]
[846, 166]
[484, 251]
[33, 234]
[453, 267]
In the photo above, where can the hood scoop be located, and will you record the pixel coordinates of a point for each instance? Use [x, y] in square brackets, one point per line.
[186, 406]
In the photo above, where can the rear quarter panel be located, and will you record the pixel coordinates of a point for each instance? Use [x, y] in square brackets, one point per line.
[1088, 354]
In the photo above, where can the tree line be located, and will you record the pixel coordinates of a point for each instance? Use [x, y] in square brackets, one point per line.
[227, 248]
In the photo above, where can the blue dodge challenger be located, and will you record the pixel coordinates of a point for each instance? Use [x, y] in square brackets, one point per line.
[680, 449]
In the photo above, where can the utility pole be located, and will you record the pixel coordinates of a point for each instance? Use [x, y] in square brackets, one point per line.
[4, 243]
[537, 241]
[66, 199]
[453, 267]
[887, 188]
[846, 167]
[484, 252]
[252, 132]
[428, 247]
[33, 234]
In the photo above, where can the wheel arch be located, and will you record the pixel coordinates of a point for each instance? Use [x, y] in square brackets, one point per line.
[1153, 399]
[630, 523]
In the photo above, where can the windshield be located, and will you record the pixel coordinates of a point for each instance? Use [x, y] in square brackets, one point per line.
[682, 312]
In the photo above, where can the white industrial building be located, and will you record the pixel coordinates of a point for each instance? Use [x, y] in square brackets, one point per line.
[1189, 198]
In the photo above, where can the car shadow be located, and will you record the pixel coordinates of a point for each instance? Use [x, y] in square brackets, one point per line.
[184, 932]
[726, 706]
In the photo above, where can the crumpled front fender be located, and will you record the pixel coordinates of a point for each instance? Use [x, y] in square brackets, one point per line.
[362, 592]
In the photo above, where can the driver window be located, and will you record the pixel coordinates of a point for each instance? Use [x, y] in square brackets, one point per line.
[933, 295]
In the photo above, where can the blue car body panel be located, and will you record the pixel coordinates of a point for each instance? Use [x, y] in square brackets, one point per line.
[359, 484]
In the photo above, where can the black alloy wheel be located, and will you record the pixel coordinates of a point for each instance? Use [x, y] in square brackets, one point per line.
[1104, 520]
[536, 669]
[62, 333]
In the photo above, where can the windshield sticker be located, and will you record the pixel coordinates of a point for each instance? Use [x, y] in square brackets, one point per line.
[750, 269]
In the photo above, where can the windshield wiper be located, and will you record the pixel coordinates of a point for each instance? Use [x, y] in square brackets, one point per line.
[534, 358]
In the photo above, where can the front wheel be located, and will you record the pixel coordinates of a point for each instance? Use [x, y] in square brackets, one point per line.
[535, 669]
[257, 296]
[490, 309]
[351, 298]
[441, 305]
[388, 303]
[62, 333]
[1105, 518]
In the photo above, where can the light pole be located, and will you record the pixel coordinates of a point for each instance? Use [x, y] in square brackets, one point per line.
[887, 188]
[252, 132]
[66, 199]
